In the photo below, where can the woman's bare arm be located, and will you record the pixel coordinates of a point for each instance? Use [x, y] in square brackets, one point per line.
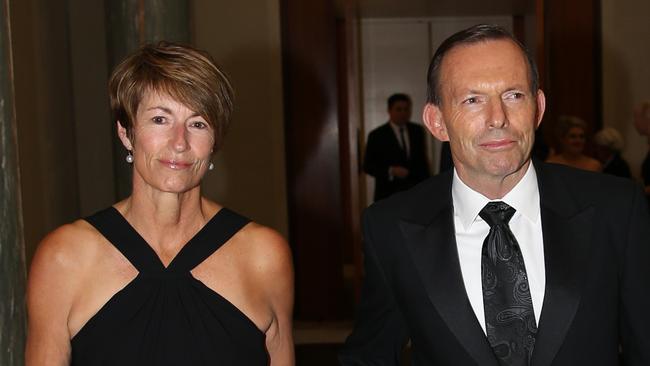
[274, 271]
[51, 286]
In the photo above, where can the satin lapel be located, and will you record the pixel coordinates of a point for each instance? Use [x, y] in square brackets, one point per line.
[433, 250]
[567, 231]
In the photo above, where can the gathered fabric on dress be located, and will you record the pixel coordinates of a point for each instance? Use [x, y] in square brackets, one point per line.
[165, 316]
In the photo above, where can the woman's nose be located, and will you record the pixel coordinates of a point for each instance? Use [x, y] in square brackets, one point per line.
[179, 138]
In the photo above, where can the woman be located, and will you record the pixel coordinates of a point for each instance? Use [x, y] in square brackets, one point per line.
[609, 145]
[571, 133]
[165, 277]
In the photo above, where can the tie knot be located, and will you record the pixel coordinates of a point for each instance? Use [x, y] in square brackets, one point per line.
[495, 213]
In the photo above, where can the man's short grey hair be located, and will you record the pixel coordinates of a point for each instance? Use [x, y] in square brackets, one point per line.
[475, 34]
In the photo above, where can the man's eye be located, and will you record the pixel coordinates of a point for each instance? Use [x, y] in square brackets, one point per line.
[470, 100]
[516, 95]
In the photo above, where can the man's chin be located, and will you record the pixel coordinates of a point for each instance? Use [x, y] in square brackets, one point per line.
[504, 169]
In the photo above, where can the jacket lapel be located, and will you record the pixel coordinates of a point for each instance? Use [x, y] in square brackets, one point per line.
[566, 231]
[431, 242]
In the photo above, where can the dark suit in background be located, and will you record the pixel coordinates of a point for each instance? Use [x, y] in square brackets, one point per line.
[384, 150]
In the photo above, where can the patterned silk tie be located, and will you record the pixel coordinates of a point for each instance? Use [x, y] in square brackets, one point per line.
[509, 316]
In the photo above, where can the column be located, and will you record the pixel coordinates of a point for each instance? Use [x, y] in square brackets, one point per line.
[12, 251]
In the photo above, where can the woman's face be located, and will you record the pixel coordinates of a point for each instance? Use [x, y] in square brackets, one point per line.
[171, 145]
[574, 141]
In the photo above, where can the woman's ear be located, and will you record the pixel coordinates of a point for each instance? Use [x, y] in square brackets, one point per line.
[123, 135]
[432, 117]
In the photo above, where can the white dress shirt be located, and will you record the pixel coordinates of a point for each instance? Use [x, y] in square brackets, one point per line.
[407, 141]
[525, 224]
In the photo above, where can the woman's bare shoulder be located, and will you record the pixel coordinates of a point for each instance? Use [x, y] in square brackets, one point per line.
[593, 164]
[68, 245]
[60, 264]
[273, 273]
[266, 248]
[268, 260]
[63, 256]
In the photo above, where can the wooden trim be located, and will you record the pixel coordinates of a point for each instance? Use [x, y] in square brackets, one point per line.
[312, 146]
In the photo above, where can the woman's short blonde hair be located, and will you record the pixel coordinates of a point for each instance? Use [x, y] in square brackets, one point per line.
[610, 138]
[186, 74]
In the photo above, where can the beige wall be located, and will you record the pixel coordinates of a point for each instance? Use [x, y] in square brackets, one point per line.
[249, 174]
[44, 117]
[93, 126]
[626, 69]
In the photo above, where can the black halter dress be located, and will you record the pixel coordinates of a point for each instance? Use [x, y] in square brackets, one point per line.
[165, 316]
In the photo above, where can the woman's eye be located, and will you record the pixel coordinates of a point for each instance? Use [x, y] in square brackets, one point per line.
[199, 124]
[158, 120]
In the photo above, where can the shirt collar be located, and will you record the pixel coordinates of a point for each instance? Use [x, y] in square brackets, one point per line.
[524, 197]
[395, 126]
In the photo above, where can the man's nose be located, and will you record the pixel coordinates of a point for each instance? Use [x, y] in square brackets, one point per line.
[497, 117]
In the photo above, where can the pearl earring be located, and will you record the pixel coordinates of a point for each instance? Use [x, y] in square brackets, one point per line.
[211, 166]
[129, 157]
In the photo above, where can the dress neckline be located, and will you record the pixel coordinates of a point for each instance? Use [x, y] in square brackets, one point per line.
[148, 257]
[116, 229]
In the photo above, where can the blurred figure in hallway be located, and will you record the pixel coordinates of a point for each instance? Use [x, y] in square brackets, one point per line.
[609, 144]
[571, 138]
[642, 124]
[395, 152]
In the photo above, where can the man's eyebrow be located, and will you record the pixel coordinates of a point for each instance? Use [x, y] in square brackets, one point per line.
[518, 87]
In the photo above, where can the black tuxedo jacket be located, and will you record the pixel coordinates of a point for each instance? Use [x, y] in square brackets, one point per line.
[383, 150]
[596, 232]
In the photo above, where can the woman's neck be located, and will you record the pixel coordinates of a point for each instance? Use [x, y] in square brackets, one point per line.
[571, 156]
[165, 220]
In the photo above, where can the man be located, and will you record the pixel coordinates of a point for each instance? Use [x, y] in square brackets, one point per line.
[502, 261]
[395, 152]
[642, 124]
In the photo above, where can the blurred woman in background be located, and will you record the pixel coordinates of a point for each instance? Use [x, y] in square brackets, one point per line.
[609, 144]
[571, 137]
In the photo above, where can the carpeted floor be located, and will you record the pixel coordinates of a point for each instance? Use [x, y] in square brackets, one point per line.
[317, 354]
[324, 354]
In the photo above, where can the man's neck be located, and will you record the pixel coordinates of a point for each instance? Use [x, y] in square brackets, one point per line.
[492, 187]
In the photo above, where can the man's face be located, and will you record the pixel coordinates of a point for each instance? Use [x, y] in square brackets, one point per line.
[487, 112]
[400, 112]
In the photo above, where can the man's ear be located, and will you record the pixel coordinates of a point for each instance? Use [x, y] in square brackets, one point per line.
[541, 107]
[432, 117]
[123, 135]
